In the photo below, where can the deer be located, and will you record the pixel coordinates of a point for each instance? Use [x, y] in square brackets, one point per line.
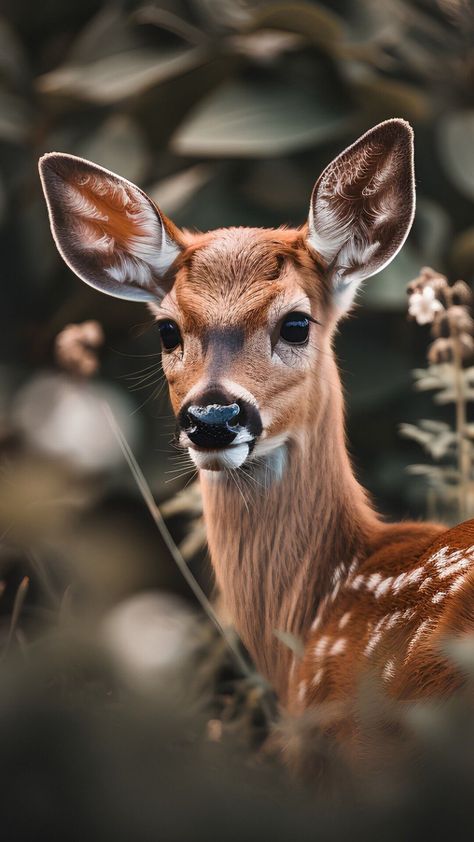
[246, 319]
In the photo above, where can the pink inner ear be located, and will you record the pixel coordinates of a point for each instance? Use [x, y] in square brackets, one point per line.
[107, 215]
[108, 231]
[362, 206]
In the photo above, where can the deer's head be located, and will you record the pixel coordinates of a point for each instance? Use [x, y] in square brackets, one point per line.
[245, 315]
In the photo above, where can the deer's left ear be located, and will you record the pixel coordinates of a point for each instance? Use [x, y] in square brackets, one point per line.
[362, 207]
[108, 231]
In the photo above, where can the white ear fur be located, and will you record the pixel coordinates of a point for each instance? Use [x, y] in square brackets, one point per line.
[106, 229]
[362, 207]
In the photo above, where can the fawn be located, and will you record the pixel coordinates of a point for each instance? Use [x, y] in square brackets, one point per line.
[246, 319]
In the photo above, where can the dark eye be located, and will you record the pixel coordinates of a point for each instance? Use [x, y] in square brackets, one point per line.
[169, 334]
[295, 328]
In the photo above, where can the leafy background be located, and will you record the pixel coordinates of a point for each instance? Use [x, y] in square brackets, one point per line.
[225, 112]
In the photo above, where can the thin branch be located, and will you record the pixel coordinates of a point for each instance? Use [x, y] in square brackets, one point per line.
[241, 663]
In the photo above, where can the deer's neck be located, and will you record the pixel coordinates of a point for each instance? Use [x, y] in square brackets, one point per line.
[275, 547]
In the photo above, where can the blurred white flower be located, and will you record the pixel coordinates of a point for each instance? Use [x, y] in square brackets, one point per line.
[64, 418]
[423, 305]
[148, 633]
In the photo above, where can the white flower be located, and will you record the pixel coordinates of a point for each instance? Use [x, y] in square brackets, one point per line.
[149, 634]
[64, 418]
[423, 305]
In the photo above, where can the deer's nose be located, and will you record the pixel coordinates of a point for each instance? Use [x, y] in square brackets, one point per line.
[214, 425]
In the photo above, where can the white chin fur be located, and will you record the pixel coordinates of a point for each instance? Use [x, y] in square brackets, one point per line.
[228, 458]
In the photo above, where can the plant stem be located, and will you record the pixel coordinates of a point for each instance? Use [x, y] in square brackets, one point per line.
[267, 702]
[463, 453]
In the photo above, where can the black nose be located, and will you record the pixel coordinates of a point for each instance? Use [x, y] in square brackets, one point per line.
[214, 425]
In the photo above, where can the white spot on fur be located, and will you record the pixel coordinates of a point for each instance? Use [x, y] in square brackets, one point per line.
[335, 591]
[384, 586]
[393, 619]
[338, 647]
[317, 622]
[438, 597]
[451, 569]
[321, 646]
[353, 567]
[398, 582]
[318, 677]
[414, 576]
[301, 691]
[337, 573]
[388, 670]
[357, 583]
[422, 629]
[373, 580]
[425, 583]
[344, 620]
[407, 578]
[375, 635]
[387, 622]
[457, 584]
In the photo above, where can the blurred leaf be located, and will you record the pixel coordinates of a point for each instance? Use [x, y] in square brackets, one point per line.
[315, 22]
[456, 149]
[108, 32]
[3, 202]
[432, 230]
[172, 193]
[388, 290]
[13, 64]
[294, 644]
[373, 378]
[381, 98]
[279, 184]
[119, 146]
[462, 254]
[260, 119]
[266, 45]
[117, 77]
[223, 14]
[15, 118]
[435, 437]
[167, 20]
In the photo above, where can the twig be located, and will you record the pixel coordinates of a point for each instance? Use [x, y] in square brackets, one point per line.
[241, 663]
[17, 608]
[463, 455]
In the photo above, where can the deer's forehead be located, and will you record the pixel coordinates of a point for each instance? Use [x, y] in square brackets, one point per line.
[235, 280]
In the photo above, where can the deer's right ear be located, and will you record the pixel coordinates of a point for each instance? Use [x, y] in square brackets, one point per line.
[362, 207]
[107, 230]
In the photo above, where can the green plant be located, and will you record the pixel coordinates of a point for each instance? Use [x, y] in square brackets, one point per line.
[433, 301]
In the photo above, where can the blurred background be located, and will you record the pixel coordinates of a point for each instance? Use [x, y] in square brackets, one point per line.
[225, 112]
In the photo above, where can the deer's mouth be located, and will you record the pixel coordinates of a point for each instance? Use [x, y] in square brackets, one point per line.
[224, 459]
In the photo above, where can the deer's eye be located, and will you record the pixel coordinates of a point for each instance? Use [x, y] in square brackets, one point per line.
[295, 328]
[169, 334]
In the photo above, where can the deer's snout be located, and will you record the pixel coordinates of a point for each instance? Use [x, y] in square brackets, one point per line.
[214, 425]
[215, 421]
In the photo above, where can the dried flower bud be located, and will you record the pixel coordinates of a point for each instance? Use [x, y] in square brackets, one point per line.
[461, 293]
[466, 342]
[459, 320]
[441, 351]
[453, 321]
[75, 348]
[428, 277]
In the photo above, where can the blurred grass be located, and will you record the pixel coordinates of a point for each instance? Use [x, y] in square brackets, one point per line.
[225, 112]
